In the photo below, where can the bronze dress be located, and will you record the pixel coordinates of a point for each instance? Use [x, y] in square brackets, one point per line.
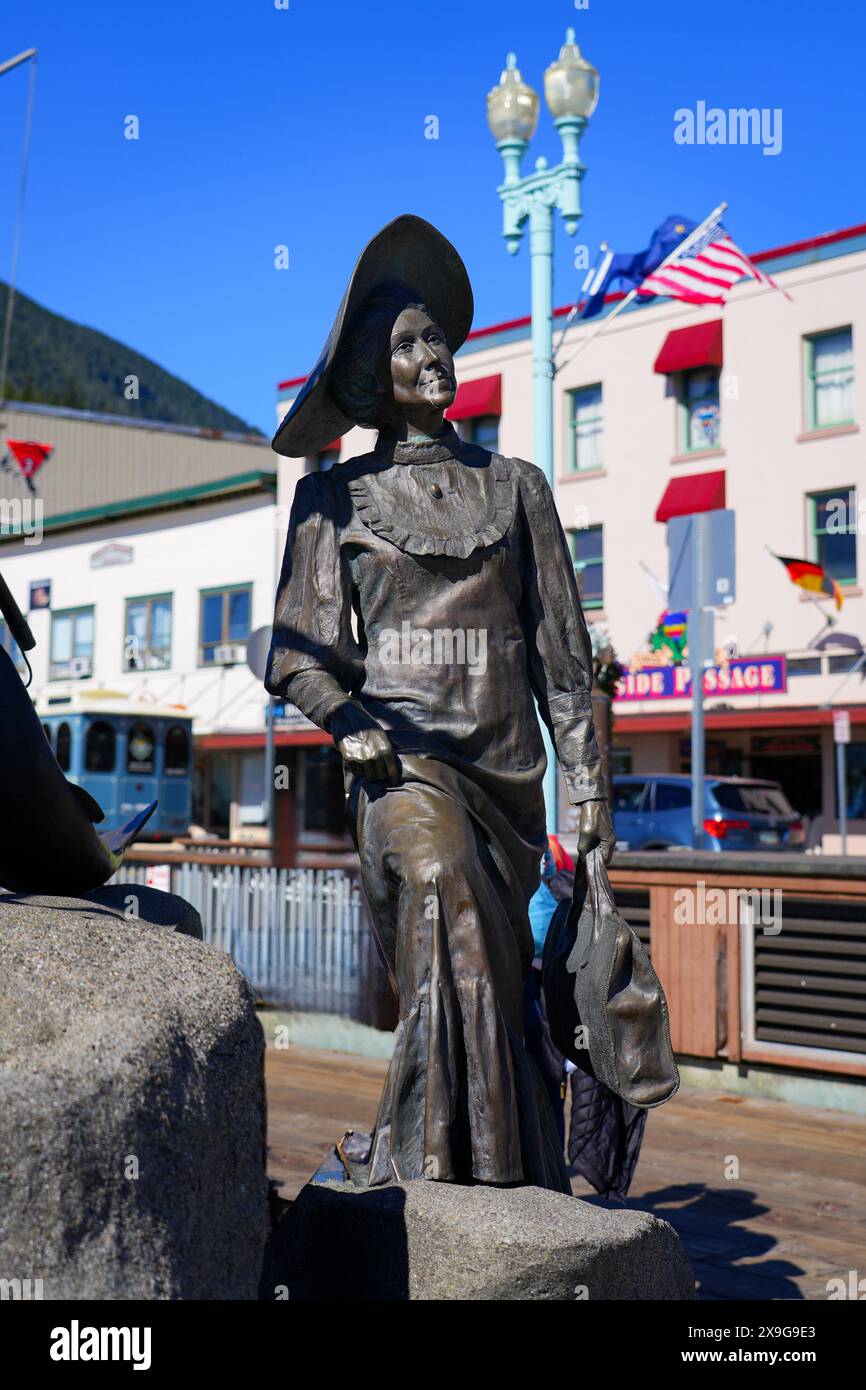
[428, 545]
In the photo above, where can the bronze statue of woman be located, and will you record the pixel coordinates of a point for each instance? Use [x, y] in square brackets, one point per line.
[427, 601]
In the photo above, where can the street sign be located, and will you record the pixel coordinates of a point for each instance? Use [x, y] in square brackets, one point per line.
[720, 587]
[701, 579]
[841, 726]
[842, 737]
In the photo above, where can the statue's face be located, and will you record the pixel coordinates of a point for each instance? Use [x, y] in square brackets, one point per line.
[422, 368]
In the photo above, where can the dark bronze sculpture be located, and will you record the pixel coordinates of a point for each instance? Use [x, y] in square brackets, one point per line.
[48, 843]
[427, 595]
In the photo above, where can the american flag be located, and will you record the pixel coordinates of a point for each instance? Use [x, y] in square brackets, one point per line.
[706, 270]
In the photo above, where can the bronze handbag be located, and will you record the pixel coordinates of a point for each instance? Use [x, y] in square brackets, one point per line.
[606, 1008]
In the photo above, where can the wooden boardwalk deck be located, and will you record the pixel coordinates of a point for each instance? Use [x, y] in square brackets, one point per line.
[794, 1218]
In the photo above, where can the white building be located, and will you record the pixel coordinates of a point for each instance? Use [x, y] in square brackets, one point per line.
[143, 557]
[756, 407]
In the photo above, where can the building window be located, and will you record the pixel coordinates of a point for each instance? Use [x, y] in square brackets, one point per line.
[855, 783]
[587, 557]
[64, 746]
[11, 647]
[700, 417]
[482, 430]
[584, 428]
[325, 460]
[224, 626]
[71, 644]
[830, 379]
[252, 807]
[803, 665]
[100, 747]
[147, 640]
[176, 760]
[834, 532]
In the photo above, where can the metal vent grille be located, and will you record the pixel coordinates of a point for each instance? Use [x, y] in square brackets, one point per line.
[810, 980]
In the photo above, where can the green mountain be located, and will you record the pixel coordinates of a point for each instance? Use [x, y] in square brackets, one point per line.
[54, 361]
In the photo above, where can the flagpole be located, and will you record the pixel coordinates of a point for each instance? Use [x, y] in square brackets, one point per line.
[632, 294]
[602, 252]
[28, 55]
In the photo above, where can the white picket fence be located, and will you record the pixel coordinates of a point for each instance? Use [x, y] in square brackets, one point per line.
[300, 936]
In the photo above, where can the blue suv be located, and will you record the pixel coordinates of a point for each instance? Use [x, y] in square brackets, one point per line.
[740, 813]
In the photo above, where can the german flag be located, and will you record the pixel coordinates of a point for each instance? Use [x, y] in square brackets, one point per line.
[814, 578]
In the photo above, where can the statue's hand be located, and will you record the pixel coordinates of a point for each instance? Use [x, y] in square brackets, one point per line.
[370, 755]
[595, 828]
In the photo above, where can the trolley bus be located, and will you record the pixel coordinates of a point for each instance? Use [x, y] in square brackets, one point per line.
[125, 753]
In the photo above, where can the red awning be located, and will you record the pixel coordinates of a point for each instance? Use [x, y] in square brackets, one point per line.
[701, 492]
[334, 446]
[482, 397]
[700, 346]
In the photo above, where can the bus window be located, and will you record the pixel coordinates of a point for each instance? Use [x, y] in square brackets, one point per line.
[176, 751]
[64, 746]
[139, 749]
[100, 747]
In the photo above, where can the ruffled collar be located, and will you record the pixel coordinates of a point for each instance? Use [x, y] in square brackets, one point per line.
[383, 497]
[446, 445]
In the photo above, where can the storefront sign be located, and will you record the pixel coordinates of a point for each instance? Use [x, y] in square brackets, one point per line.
[288, 718]
[759, 676]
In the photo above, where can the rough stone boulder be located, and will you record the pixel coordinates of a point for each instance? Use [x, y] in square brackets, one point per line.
[132, 1149]
[431, 1240]
[131, 902]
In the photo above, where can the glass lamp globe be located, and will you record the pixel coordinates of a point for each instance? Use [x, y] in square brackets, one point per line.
[571, 83]
[512, 105]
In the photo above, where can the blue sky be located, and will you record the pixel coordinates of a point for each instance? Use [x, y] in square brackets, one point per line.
[305, 127]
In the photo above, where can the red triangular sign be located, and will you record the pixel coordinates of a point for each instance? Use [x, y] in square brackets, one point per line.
[30, 455]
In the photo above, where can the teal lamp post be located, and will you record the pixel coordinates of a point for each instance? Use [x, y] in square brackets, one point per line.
[571, 92]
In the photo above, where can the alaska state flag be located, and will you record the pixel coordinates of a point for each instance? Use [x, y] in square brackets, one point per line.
[632, 267]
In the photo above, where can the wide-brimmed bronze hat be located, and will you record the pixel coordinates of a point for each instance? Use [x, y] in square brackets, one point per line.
[413, 253]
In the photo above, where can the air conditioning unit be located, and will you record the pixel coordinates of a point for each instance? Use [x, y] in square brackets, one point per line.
[230, 654]
[80, 667]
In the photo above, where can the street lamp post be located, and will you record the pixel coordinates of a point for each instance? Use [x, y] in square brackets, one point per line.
[571, 92]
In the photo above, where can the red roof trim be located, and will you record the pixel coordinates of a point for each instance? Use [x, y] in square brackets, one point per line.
[526, 319]
[825, 239]
[227, 742]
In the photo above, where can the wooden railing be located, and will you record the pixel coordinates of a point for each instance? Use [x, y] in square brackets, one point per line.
[789, 990]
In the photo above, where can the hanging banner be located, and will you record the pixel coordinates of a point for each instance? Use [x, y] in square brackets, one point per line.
[760, 675]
